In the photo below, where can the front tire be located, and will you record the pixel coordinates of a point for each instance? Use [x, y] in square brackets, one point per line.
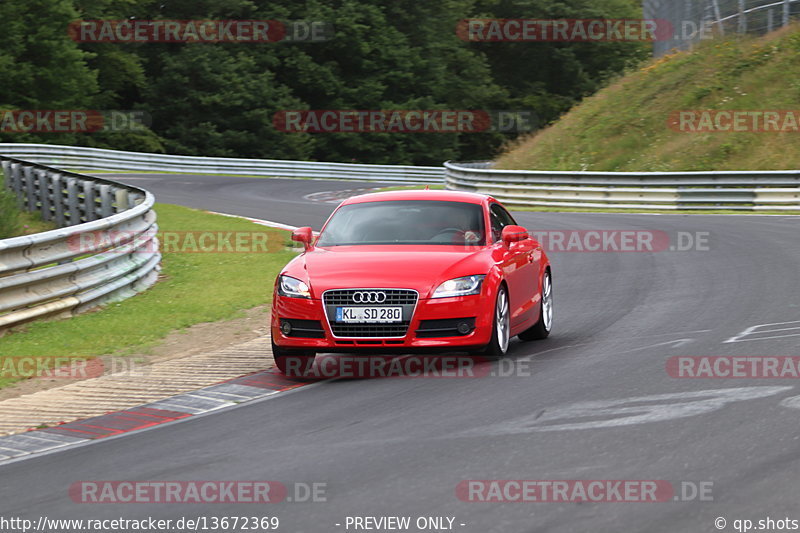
[501, 329]
[291, 363]
[544, 325]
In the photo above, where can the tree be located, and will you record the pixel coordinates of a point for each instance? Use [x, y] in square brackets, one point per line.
[219, 99]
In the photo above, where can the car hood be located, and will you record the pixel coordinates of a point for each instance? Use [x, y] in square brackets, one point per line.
[421, 268]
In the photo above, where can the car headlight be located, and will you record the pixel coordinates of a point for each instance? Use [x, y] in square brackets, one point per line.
[459, 287]
[293, 288]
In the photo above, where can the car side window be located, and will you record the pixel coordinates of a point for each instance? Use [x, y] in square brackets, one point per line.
[500, 218]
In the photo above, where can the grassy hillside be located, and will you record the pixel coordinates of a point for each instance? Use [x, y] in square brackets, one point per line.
[625, 127]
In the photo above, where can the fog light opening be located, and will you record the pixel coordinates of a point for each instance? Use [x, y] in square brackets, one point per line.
[463, 328]
[286, 328]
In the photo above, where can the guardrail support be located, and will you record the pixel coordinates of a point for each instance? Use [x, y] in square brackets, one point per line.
[90, 205]
[742, 18]
[58, 200]
[106, 207]
[16, 183]
[72, 202]
[122, 200]
[45, 183]
[718, 16]
[30, 188]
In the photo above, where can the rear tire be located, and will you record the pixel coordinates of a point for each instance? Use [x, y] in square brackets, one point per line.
[544, 325]
[292, 363]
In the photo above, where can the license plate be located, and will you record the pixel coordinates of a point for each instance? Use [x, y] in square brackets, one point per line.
[369, 315]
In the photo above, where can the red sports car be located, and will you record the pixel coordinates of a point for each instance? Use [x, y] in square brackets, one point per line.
[406, 271]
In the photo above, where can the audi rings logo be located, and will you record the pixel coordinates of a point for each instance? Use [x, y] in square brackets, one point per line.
[364, 297]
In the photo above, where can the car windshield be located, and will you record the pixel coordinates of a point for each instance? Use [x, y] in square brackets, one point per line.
[405, 222]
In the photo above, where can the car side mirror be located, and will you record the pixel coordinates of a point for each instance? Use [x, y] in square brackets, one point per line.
[512, 234]
[304, 235]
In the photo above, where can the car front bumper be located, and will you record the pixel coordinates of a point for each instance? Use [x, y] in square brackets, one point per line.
[433, 326]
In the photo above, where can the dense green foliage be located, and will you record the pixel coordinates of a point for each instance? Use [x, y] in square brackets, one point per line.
[219, 99]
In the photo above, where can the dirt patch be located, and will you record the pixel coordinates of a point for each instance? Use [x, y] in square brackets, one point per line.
[194, 340]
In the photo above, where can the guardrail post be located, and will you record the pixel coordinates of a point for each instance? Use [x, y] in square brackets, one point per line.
[72, 202]
[106, 201]
[121, 196]
[16, 182]
[30, 196]
[89, 202]
[39, 189]
[718, 16]
[45, 182]
[42, 188]
[58, 200]
[742, 18]
[786, 12]
[770, 21]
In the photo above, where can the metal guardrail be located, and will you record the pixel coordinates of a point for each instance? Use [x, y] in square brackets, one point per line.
[77, 157]
[106, 249]
[734, 191]
[696, 20]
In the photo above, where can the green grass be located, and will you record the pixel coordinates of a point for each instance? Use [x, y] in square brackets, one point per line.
[9, 214]
[14, 222]
[33, 223]
[625, 126]
[196, 288]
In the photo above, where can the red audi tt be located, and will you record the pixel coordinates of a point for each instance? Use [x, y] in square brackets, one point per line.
[407, 271]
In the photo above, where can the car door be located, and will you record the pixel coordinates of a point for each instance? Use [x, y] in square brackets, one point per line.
[520, 268]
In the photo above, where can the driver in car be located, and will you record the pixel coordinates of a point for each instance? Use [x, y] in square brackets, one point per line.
[456, 226]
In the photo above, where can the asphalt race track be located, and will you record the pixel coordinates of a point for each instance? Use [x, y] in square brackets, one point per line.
[279, 200]
[400, 447]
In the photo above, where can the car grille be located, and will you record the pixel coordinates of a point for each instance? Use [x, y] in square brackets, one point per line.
[393, 296]
[398, 329]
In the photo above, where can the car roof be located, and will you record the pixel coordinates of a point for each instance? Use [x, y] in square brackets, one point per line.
[432, 195]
